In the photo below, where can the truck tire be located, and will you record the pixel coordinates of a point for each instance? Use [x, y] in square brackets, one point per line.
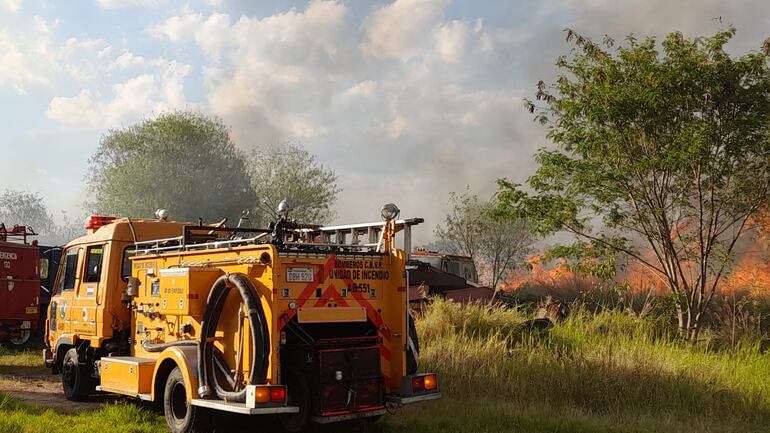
[20, 340]
[299, 395]
[412, 347]
[76, 377]
[181, 416]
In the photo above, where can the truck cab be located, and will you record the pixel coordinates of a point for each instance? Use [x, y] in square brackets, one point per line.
[85, 312]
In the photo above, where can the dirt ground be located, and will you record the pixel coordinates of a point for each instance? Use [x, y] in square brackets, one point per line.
[38, 386]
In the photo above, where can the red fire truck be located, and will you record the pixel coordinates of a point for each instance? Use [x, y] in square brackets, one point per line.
[20, 284]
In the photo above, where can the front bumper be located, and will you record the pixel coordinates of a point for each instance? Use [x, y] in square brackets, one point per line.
[48, 358]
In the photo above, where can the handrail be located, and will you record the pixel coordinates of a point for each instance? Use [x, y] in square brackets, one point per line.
[320, 237]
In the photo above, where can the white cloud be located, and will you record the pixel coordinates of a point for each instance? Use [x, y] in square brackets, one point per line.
[397, 30]
[129, 101]
[10, 5]
[124, 4]
[35, 57]
[400, 86]
[128, 59]
[451, 40]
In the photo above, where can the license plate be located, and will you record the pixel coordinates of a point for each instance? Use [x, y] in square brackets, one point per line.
[31, 310]
[299, 275]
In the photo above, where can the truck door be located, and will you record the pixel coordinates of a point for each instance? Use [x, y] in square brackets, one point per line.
[60, 318]
[87, 288]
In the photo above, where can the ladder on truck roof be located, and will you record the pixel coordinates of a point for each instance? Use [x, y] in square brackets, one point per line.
[352, 238]
[17, 233]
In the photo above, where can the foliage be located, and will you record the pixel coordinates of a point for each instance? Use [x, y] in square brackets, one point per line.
[26, 209]
[182, 161]
[288, 171]
[29, 209]
[496, 245]
[668, 147]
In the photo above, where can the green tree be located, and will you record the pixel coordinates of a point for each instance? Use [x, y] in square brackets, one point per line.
[185, 162]
[497, 245]
[26, 209]
[29, 209]
[288, 171]
[668, 149]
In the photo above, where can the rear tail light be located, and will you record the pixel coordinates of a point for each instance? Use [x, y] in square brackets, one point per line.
[262, 394]
[430, 382]
[418, 384]
[278, 394]
[265, 394]
[423, 383]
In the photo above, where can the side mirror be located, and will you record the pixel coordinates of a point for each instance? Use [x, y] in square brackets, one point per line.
[132, 289]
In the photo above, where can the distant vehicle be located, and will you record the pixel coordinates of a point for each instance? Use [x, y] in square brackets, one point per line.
[462, 266]
[26, 271]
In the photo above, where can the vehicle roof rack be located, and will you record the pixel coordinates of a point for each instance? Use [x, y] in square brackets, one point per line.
[346, 238]
[18, 233]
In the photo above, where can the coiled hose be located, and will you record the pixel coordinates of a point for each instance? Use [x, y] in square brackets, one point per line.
[260, 336]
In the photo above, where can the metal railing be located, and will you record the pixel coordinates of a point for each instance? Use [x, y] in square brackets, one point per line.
[361, 237]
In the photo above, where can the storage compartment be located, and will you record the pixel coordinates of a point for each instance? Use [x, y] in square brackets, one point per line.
[183, 291]
[127, 375]
[349, 380]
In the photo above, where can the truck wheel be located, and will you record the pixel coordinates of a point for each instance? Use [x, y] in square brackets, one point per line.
[412, 347]
[181, 416]
[76, 377]
[299, 395]
[21, 338]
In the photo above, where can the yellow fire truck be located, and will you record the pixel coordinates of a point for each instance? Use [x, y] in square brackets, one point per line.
[306, 322]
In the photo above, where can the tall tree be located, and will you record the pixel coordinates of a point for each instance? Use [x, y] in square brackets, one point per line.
[29, 209]
[288, 171]
[497, 245]
[668, 148]
[185, 162]
[26, 209]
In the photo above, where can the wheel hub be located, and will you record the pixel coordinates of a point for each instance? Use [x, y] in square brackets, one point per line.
[179, 401]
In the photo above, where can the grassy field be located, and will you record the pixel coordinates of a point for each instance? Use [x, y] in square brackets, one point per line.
[607, 372]
[594, 373]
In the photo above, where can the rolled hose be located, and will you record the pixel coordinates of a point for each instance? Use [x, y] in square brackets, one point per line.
[260, 336]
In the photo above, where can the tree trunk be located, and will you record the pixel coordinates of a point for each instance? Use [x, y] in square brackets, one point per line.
[689, 320]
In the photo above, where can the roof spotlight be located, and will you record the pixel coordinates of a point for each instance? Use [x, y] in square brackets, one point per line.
[389, 211]
[161, 214]
[284, 208]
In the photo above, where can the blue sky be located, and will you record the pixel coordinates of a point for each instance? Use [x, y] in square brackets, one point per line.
[406, 100]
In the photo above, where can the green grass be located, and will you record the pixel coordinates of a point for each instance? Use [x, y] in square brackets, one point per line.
[606, 372]
[120, 418]
[595, 373]
[26, 358]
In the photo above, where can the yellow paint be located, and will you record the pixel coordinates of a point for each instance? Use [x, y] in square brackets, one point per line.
[339, 314]
[125, 375]
[189, 374]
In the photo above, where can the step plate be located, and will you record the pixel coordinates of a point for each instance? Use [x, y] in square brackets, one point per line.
[241, 408]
